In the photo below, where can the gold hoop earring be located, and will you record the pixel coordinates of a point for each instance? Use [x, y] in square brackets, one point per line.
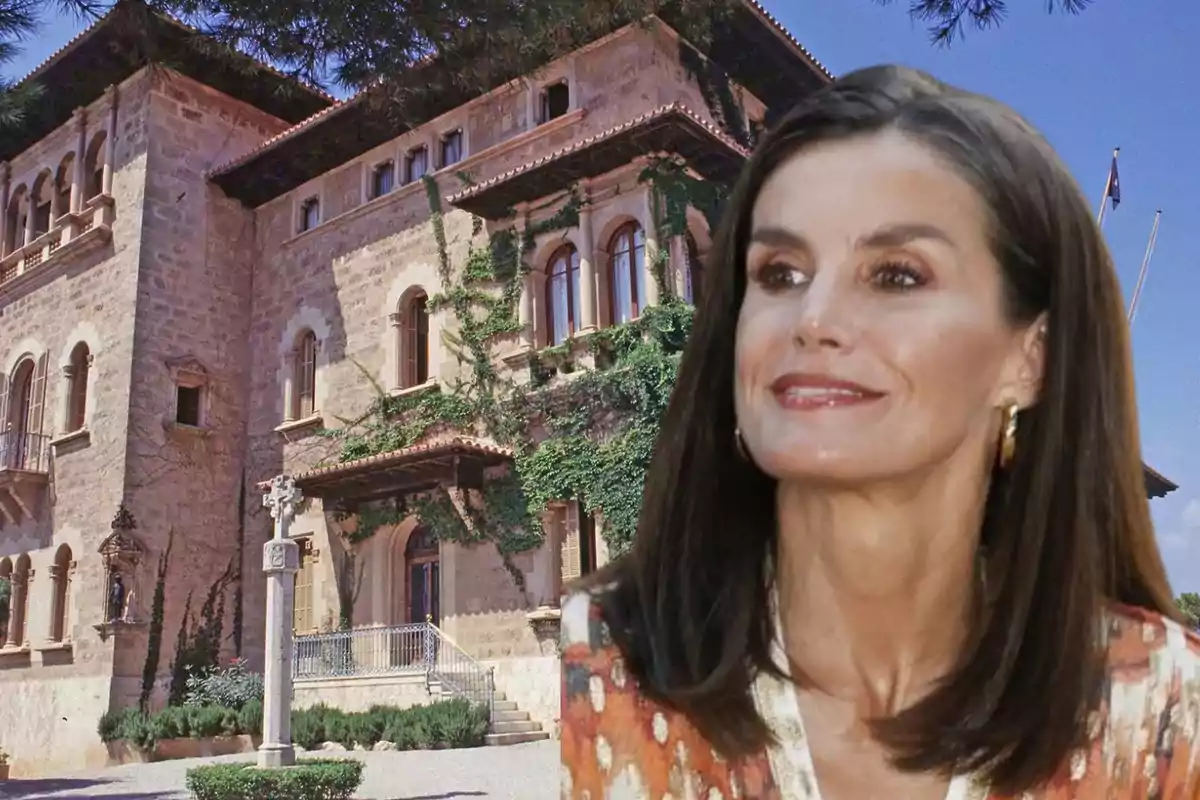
[1008, 434]
[739, 442]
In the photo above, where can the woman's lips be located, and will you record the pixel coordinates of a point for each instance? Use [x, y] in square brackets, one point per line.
[807, 392]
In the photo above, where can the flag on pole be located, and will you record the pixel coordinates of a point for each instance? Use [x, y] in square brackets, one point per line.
[1114, 184]
[1112, 189]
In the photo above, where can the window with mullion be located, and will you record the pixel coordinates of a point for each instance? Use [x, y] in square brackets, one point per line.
[563, 299]
[627, 284]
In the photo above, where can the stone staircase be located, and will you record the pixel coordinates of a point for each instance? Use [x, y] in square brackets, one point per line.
[511, 725]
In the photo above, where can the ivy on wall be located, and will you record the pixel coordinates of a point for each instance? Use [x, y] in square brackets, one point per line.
[588, 438]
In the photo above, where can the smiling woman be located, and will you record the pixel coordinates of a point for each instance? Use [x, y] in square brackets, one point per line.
[894, 542]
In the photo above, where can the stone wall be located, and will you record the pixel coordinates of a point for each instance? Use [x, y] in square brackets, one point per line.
[192, 325]
[359, 694]
[56, 694]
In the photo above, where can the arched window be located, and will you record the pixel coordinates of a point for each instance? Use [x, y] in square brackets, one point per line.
[62, 187]
[627, 273]
[14, 229]
[414, 339]
[60, 575]
[93, 168]
[563, 301]
[23, 416]
[43, 194]
[77, 386]
[693, 270]
[305, 379]
[421, 567]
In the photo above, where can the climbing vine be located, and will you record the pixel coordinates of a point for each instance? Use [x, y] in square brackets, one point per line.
[198, 642]
[589, 438]
[155, 633]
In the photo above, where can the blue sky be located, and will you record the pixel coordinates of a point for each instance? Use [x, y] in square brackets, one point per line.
[1110, 77]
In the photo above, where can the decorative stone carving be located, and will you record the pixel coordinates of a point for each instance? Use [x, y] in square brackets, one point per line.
[122, 554]
[547, 626]
[281, 555]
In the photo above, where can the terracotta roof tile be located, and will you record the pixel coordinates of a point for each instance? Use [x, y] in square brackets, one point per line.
[87, 32]
[778, 26]
[337, 107]
[642, 119]
[464, 444]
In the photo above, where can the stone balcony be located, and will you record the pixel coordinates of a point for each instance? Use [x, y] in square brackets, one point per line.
[71, 234]
[24, 475]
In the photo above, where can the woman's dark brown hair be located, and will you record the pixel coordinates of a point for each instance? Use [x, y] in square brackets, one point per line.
[1067, 525]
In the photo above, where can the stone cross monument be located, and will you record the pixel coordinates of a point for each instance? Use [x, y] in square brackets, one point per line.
[281, 561]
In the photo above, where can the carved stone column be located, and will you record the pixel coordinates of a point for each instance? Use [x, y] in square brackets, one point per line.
[651, 232]
[281, 562]
[64, 403]
[5, 198]
[110, 142]
[79, 174]
[289, 386]
[30, 217]
[588, 287]
[525, 309]
[679, 271]
[17, 635]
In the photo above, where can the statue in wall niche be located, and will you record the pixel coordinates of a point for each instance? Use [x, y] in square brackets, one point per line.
[116, 598]
[127, 614]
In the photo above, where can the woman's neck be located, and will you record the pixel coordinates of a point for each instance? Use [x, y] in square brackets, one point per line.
[876, 587]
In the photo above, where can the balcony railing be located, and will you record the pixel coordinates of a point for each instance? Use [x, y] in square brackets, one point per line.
[27, 452]
[417, 649]
[93, 221]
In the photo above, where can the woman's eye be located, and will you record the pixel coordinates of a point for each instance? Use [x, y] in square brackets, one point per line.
[895, 276]
[778, 276]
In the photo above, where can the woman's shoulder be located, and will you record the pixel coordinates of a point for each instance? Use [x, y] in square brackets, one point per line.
[1147, 648]
[1148, 733]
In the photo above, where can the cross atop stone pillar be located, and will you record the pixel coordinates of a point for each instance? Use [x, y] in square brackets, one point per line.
[281, 561]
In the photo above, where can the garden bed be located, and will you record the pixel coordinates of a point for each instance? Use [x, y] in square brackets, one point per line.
[126, 752]
[204, 731]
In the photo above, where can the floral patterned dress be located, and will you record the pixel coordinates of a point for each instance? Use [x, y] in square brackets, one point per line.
[618, 745]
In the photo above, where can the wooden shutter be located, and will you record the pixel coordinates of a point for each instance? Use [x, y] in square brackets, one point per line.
[37, 400]
[302, 607]
[568, 526]
[411, 344]
[3, 407]
[307, 377]
[421, 312]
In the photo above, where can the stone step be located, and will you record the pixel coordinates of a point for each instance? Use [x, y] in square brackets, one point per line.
[499, 696]
[526, 726]
[504, 705]
[510, 716]
[502, 739]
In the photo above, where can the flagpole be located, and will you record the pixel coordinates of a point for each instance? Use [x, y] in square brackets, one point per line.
[1137, 289]
[1107, 189]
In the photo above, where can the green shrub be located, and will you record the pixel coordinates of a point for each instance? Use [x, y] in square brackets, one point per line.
[450, 723]
[230, 687]
[128, 724]
[250, 718]
[315, 779]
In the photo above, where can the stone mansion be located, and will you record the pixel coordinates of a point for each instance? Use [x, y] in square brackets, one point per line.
[205, 265]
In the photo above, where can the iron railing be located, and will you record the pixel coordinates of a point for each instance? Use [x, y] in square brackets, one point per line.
[416, 649]
[24, 451]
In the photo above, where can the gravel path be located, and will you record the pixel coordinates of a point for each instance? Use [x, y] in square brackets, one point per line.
[519, 772]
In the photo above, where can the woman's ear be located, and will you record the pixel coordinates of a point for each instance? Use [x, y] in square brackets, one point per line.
[1027, 363]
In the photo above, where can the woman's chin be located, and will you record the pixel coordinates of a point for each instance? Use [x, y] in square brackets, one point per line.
[813, 464]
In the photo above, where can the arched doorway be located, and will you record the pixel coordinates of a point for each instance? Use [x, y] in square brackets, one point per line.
[423, 584]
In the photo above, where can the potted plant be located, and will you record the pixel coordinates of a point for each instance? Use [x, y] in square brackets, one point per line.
[3, 765]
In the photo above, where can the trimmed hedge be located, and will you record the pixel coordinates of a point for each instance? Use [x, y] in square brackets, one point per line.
[309, 779]
[449, 723]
